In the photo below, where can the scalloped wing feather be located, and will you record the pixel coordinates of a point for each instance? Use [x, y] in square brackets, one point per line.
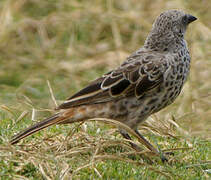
[132, 78]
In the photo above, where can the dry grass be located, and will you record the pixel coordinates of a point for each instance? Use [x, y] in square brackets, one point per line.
[69, 43]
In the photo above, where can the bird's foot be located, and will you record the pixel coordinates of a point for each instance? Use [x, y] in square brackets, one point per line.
[163, 156]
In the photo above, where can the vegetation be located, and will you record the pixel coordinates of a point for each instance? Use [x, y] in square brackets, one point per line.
[62, 45]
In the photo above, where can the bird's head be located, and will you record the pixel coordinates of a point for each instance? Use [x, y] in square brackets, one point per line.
[168, 28]
[175, 21]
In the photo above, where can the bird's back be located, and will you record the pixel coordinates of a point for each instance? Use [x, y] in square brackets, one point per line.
[154, 80]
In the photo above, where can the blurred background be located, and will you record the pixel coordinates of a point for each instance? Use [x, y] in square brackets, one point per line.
[70, 43]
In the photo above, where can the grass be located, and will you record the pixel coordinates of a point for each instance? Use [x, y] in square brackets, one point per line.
[69, 43]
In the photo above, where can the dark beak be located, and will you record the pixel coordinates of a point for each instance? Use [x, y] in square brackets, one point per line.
[190, 18]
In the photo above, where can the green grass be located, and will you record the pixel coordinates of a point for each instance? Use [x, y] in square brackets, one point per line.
[71, 43]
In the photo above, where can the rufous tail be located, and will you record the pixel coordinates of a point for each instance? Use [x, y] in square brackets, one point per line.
[63, 117]
[37, 127]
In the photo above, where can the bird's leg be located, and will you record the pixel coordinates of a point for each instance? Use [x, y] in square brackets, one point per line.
[150, 146]
[127, 136]
[134, 146]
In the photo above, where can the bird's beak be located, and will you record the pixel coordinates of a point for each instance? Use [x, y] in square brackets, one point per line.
[191, 18]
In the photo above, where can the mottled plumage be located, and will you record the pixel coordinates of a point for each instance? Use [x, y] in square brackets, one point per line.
[149, 80]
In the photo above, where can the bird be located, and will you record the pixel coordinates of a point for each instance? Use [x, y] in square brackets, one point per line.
[148, 80]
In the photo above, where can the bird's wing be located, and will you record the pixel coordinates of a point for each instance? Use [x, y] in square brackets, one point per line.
[139, 74]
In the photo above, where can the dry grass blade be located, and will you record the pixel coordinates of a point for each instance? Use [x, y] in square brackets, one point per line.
[52, 95]
[129, 130]
[176, 149]
[200, 164]
[7, 109]
[43, 172]
[23, 114]
[64, 172]
[111, 157]
[82, 167]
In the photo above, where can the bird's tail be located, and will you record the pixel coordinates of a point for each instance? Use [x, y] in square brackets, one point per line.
[38, 126]
[63, 117]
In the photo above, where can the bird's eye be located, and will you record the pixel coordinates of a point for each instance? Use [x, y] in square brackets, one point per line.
[185, 19]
